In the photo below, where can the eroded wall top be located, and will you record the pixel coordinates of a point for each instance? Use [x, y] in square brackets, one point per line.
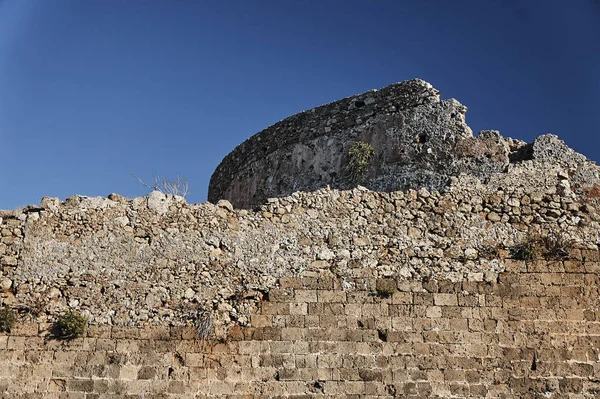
[418, 141]
[159, 260]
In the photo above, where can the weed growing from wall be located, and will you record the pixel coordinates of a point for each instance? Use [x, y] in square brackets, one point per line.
[360, 155]
[70, 325]
[490, 251]
[203, 324]
[551, 246]
[557, 246]
[529, 249]
[385, 287]
[179, 186]
[7, 318]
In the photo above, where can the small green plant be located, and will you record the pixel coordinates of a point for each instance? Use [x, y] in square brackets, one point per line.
[490, 251]
[70, 325]
[550, 246]
[7, 318]
[529, 249]
[360, 155]
[557, 246]
[385, 287]
[203, 323]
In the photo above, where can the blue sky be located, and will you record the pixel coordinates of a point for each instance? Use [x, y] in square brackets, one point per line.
[93, 91]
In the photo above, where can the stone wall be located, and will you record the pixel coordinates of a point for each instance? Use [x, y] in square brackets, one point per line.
[157, 259]
[535, 332]
[418, 141]
[330, 293]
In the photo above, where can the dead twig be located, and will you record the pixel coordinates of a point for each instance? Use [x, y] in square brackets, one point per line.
[179, 186]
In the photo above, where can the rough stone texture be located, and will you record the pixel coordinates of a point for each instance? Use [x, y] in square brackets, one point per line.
[534, 333]
[419, 141]
[333, 293]
[135, 263]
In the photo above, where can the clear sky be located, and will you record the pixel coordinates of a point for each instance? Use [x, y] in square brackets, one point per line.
[92, 91]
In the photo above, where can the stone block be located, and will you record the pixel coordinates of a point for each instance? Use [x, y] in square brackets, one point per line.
[147, 373]
[235, 333]
[298, 309]
[198, 374]
[16, 343]
[311, 321]
[268, 334]
[434, 311]
[57, 385]
[177, 387]
[292, 334]
[331, 296]
[592, 267]
[404, 298]
[402, 323]
[125, 333]
[537, 266]
[25, 329]
[305, 296]
[318, 283]
[128, 372]
[360, 297]
[590, 255]
[102, 344]
[295, 321]
[155, 333]
[127, 346]
[183, 332]
[99, 331]
[275, 308]
[259, 321]
[375, 310]
[281, 295]
[291, 282]
[445, 299]
[80, 385]
[353, 310]
[468, 300]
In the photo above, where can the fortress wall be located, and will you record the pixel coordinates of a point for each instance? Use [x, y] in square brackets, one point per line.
[330, 293]
[416, 140]
[308, 151]
[157, 260]
[399, 292]
[535, 332]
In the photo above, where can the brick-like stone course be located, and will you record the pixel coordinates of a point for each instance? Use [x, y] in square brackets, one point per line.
[533, 333]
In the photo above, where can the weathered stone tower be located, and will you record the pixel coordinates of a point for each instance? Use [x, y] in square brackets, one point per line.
[418, 141]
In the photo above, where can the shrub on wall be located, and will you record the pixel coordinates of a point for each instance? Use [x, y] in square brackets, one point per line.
[203, 324]
[360, 155]
[551, 246]
[385, 287]
[70, 325]
[557, 246]
[530, 249]
[7, 318]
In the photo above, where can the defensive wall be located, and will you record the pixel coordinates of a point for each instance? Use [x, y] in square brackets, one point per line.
[413, 293]
[534, 333]
[333, 293]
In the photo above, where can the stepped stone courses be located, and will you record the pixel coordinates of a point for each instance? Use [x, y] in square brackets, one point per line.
[332, 293]
[534, 333]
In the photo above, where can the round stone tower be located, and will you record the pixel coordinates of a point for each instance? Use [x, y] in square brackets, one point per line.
[409, 138]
